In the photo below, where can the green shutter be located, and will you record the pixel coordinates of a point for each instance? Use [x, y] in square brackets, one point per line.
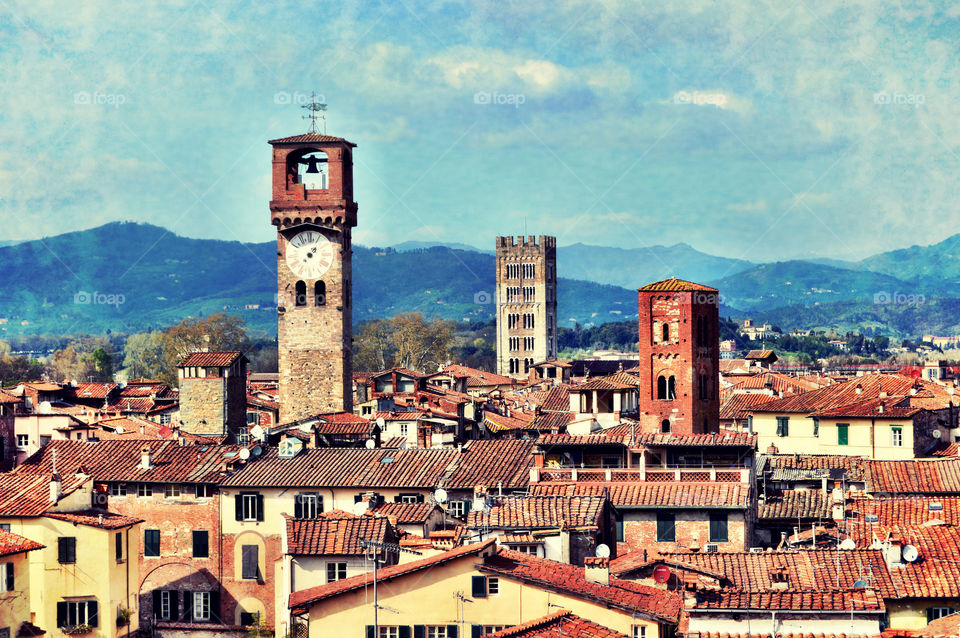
[93, 618]
[370, 632]
[479, 586]
[476, 631]
[419, 631]
[843, 434]
[403, 631]
[452, 631]
[62, 614]
[238, 500]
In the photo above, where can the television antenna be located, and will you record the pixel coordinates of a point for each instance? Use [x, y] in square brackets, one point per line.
[317, 111]
[373, 550]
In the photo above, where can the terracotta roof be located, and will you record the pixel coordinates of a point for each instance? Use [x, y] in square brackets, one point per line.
[738, 405]
[95, 518]
[216, 359]
[475, 377]
[520, 539]
[918, 476]
[551, 421]
[406, 513]
[339, 536]
[492, 463]
[760, 354]
[904, 510]
[119, 461]
[29, 494]
[618, 381]
[556, 399]
[863, 601]
[870, 387]
[322, 592]
[853, 468]
[719, 439]
[310, 137]
[540, 512]
[676, 285]
[9, 398]
[547, 440]
[561, 623]
[947, 449]
[90, 390]
[796, 504]
[11, 543]
[655, 495]
[567, 579]
[886, 408]
[943, 626]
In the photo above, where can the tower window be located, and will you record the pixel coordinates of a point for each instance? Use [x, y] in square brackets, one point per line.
[312, 170]
[661, 388]
[319, 294]
[665, 426]
[672, 388]
[300, 291]
[665, 332]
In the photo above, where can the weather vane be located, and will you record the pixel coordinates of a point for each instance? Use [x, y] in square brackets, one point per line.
[317, 112]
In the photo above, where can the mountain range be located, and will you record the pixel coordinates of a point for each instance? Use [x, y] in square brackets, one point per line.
[128, 277]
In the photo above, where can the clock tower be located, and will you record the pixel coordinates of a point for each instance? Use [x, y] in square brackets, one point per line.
[314, 212]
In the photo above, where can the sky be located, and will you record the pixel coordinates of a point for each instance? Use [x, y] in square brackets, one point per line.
[756, 130]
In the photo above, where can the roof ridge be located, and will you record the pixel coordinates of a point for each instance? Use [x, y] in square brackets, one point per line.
[532, 624]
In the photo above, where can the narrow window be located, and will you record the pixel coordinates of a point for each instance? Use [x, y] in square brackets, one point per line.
[250, 555]
[666, 528]
[151, 542]
[66, 550]
[319, 294]
[661, 388]
[843, 433]
[718, 527]
[336, 571]
[665, 426]
[201, 544]
[672, 388]
[783, 426]
[301, 294]
[897, 436]
[665, 332]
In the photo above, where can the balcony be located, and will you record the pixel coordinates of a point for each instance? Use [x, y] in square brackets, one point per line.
[648, 475]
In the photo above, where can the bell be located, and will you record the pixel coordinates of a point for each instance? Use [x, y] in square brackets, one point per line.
[312, 165]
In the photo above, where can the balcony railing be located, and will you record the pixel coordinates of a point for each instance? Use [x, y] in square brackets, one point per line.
[648, 475]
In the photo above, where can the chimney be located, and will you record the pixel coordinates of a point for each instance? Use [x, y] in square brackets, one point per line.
[880, 408]
[56, 486]
[893, 551]
[596, 569]
[859, 388]
[146, 462]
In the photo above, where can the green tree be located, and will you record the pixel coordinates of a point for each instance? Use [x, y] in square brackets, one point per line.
[143, 355]
[219, 331]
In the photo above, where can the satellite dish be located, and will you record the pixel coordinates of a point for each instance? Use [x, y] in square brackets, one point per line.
[661, 574]
[360, 508]
[256, 451]
[244, 454]
[370, 444]
[848, 543]
[910, 554]
[936, 434]
[861, 584]
[440, 495]
[478, 505]
[45, 408]
[603, 551]
[381, 422]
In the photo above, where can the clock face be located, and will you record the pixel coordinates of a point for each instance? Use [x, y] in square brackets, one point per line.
[310, 254]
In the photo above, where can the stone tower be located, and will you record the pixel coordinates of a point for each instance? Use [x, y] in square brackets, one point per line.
[679, 357]
[526, 303]
[213, 394]
[314, 212]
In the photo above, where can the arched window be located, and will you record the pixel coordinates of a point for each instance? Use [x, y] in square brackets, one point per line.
[661, 387]
[526, 365]
[672, 388]
[301, 294]
[319, 294]
[665, 426]
[665, 332]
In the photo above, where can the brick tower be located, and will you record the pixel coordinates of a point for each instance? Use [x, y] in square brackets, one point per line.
[213, 394]
[314, 212]
[526, 303]
[679, 357]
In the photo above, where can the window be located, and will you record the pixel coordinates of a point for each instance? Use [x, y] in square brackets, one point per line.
[514, 343]
[525, 549]
[171, 490]
[247, 619]
[933, 613]
[201, 605]
[639, 631]
[408, 498]
[493, 585]
[23, 440]
[5, 527]
[529, 293]
[201, 543]
[783, 426]
[816, 426]
[436, 631]
[619, 528]
[661, 388]
[703, 387]
[118, 489]
[459, 508]
[165, 419]
[252, 418]
[896, 435]
[77, 612]
[843, 433]
[151, 542]
[307, 505]
[6, 577]
[478, 586]
[66, 550]
[666, 528]
[144, 489]
[665, 332]
[336, 571]
[203, 491]
[672, 388]
[528, 343]
[249, 506]
[404, 429]
[665, 426]
[118, 546]
[250, 557]
[300, 290]
[385, 632]
[162, 604]
[319, 294]
[492, 629]
[718, 527]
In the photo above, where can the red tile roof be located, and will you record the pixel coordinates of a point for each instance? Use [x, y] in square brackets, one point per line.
[570, 580]
[561, 623]
[9, 398]
[29, 494]
[90, 390]
[919, 476]
[721, 439]
[322, 592]
[556, 399]
[774, 381]
[618, 381]
[95, 518]
[495, 464]
[406, 513]
[676, 285]
[887, 408]
[310, 137]
[870, 387]
[216, 359]
[859, 600]
[739, 405]
[119, 461]
[475, 377]
[655, 495]
[334, 536]
[540, 512]
[904, 510]
[11, 543]
[796, 504]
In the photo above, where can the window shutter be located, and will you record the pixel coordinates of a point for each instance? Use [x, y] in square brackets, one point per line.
[62, 550]
[259, 507]
[215, 605]
[403, 631]
[61, 614]
[370, 633]
[476, 631]
[249, 555]
[188, 605]
[174, 599]
[156, 603]
[419, 631]
[420, 500]
[397, 499]
[319, 504]
[452, 631]
[298, 506]
[9, 577]
[92, 617]
[238, 499]
[479, 586]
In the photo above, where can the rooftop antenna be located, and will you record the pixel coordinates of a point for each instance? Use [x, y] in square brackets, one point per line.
[376, 551]
[317, 111]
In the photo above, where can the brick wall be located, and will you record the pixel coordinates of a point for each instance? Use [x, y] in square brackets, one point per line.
[640, 531]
